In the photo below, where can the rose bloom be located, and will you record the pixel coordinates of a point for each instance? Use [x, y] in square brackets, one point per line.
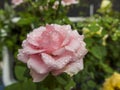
[64, 3]
[69, 2]
[17, 2]
[53, 48]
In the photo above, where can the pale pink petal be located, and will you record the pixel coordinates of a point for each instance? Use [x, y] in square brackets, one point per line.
[82, 51]
[74, 34]
[66, 40]
[69, 2]
[55, 64]
[37, 77]
[22, 56]
[35, 63]
[73, 46]
[17, 2]
[35, 36]
[61, 62]
[30, 49]
[59, 51]
[48, 60]
[62, 29]
[51, 40]
[58, 71]
[74, 68]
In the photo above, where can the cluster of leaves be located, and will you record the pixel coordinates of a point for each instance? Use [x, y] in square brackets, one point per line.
[61, 82]
[102, 37]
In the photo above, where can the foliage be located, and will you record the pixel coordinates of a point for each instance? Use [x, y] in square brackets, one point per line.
[102, 35]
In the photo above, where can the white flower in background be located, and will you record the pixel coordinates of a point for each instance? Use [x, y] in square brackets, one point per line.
[3, 32]
[15, 19]
[105, 3]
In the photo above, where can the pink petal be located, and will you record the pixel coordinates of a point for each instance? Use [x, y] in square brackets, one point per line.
[55, 64]
[37, 77]
[48, 60]
[69, 2]
[35, 36]
[73, 46]
[61, 62]
[37, 65]
[76, 35]
[62, 29]
[22, 56]
[74, 68]
[30, 49]
[57, 72]
[51, 39]
[82, 51]
[66, 40]
[59, 51]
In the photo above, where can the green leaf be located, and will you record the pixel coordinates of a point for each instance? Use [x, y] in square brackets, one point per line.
[94, 27]
[106, 68]
[91, 83]
[98, 51]
[89, 42]
[19, 72]
[61, 80]
[16, 86]
[70, 85]
[26, 85]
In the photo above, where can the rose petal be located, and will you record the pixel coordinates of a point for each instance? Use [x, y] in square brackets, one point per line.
[62, 29]
[34, 37]
[61, 62]
[66, 40]
[22, 56]
[59, 51]
[30, 49]
[74, 68]
[37, 77]
[69, 2]
[73, 46]
[74, 34]
[58, 71]
[17, 2]
[82, 51]
[48, 60]
[55, 64]
[37, 65]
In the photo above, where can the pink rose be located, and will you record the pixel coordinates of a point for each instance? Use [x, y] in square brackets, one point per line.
[53, 48]
[69, 2]
[17, 2]
[64, 3]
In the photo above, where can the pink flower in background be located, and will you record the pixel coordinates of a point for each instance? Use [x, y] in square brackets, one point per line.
[53, 48]
[17, 2]
[69, 2]
[64, 3]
